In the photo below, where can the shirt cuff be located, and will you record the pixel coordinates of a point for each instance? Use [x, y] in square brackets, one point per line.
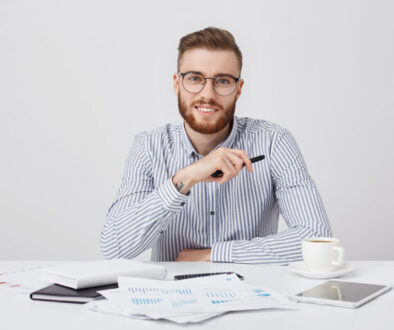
[221, 252]
[172, 199]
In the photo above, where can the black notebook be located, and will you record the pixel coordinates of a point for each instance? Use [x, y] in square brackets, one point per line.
[61, 293]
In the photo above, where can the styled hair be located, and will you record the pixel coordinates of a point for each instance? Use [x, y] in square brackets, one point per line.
[209, 38]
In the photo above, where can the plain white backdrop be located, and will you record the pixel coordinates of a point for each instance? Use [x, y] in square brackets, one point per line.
[78, 79]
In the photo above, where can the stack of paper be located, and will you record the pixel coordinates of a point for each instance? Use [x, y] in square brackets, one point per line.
[88, 274]
[184, 301]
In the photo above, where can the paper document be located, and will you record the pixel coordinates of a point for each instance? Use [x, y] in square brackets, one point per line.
[22, 281]
[189, 300]
[107, 306]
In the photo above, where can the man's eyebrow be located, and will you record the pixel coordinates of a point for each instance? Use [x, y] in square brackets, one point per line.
[216, 75]
[195, 72]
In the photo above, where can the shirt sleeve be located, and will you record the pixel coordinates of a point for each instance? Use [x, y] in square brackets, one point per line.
[141, 211]
[299, 203]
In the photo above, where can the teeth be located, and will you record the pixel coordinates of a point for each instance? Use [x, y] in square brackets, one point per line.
[206, 109]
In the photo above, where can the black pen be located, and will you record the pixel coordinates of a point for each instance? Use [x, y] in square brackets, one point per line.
[219, 173]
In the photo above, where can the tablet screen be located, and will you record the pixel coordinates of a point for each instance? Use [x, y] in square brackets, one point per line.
[342, 291]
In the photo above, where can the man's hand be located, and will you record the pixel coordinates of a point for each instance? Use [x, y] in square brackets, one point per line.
[229, 161]
[194, 255]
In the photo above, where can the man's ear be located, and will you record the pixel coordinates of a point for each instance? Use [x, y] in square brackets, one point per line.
[239, 88]
[175, 78]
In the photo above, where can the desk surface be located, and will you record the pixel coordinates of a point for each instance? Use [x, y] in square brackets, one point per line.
[19, 312]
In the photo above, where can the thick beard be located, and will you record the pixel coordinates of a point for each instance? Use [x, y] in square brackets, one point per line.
[206, 128]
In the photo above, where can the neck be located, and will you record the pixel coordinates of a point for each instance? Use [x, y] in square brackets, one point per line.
[204, 143]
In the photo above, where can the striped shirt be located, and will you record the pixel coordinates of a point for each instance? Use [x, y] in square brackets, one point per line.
[238, 219]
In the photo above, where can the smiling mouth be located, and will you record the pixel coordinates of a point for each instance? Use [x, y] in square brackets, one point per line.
[205, 109]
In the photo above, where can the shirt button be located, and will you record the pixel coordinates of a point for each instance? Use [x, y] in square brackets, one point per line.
[183, 203]
[162, 232]
[212, 212]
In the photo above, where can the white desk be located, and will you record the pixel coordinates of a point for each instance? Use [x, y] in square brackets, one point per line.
[19, 312]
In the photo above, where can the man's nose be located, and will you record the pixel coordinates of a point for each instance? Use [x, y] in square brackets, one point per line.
[208, 91]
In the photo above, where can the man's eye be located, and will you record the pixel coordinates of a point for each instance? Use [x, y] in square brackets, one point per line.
[223, 81]
[194, 78]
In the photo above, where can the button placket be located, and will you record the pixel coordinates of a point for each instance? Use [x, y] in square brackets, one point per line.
[212, 212]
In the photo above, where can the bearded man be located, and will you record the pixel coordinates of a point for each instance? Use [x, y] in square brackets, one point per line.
[169, 200]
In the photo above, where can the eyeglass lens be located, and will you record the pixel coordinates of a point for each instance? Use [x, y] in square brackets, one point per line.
[195, 82]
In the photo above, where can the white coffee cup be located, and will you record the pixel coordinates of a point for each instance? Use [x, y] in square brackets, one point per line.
[322, 254]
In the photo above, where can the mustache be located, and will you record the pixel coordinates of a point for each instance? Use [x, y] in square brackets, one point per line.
[212, 103]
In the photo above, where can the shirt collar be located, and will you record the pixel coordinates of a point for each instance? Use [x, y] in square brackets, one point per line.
[227, 143]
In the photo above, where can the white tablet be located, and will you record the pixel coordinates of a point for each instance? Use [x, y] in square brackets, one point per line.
[341, 293]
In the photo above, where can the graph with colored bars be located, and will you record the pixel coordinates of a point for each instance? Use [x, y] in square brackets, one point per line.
[183, 296]
[181, 302]
[146, 301]
[152, 301]
[227, 297]
[144, 290]
[260, 293]
[175, 301]
[221, 297]
[157, 290]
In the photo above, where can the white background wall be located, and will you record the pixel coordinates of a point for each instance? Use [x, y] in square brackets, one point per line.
[79, 78]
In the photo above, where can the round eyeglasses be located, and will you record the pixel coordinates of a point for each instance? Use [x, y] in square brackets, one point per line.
[223, 84]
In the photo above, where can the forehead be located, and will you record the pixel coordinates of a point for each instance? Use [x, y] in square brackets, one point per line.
[210, 62]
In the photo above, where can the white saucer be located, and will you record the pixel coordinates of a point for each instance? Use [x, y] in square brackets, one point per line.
[300, 268]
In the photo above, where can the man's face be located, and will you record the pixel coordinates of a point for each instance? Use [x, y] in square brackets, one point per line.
[210, 63]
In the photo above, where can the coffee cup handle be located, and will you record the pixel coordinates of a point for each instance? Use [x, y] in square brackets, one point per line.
[341, 256]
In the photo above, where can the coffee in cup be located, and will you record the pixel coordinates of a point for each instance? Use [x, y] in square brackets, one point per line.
[322, 254]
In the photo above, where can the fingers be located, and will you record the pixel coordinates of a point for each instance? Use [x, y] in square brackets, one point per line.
[236, 161]
[229, 171]
[229, 161]
[232, 165]
[242, 154]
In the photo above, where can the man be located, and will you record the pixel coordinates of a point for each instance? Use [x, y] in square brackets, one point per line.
[168, 200]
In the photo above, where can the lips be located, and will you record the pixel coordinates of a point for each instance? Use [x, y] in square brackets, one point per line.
[205, 109]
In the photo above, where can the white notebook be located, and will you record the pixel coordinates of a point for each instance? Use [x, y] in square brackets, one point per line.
[81, 275]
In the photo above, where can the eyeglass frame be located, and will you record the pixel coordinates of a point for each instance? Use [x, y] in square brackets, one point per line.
[183, 74]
